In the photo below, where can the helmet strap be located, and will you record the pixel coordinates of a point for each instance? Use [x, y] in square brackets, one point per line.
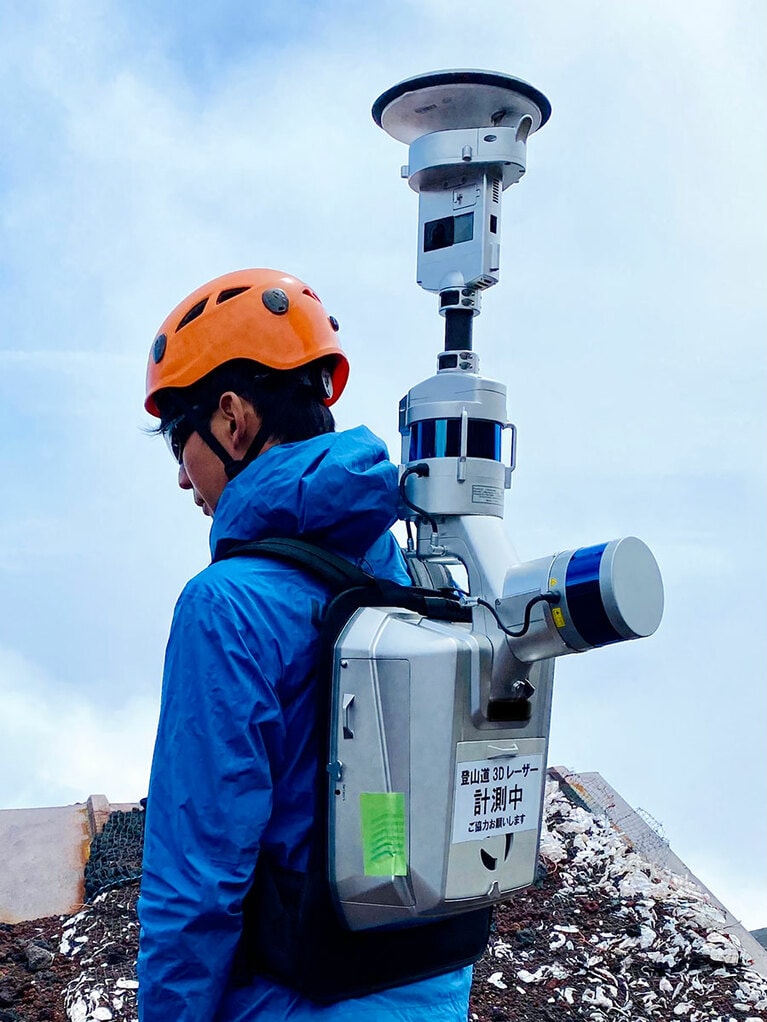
[232, 467]
[202, 428]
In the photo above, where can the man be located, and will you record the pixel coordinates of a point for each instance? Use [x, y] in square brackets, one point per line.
[241, 376]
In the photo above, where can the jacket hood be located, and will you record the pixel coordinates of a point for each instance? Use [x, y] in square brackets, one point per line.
[338, 489]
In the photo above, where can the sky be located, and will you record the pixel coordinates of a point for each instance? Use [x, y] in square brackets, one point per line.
[147, 148]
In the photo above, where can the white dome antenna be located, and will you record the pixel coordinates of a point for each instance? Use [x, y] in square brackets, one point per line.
[467, 132]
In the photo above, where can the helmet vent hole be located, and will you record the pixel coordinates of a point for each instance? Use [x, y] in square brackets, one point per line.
[308, 291]
[193, 313]
[231, 292]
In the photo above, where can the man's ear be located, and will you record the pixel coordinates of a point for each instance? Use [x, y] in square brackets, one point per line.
[241, 420]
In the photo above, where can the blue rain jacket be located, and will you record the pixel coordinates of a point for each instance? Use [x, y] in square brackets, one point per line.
[232, 769]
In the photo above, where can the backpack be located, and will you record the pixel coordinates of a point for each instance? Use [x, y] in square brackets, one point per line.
[406, 857]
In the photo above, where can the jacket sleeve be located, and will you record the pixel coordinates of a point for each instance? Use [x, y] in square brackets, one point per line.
[220, 735]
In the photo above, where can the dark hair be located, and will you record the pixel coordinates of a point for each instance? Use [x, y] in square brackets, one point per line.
[289, 402]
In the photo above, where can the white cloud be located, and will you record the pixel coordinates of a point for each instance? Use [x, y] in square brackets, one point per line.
[56, 747]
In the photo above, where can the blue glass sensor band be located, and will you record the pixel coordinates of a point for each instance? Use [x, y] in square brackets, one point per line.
[441, 438]
[584, 597]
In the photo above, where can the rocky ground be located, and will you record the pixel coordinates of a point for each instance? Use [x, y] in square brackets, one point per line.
[32, 972]
[608, 935]
[605, 935]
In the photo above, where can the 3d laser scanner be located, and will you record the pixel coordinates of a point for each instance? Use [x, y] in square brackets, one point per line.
[438, 754]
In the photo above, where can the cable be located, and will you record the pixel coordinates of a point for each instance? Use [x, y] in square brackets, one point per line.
[421, 471]
[410, 540]
[550, 598]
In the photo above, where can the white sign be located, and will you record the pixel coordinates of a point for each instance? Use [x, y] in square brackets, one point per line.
[497, 796]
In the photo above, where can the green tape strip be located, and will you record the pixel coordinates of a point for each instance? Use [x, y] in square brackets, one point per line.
[382, 815]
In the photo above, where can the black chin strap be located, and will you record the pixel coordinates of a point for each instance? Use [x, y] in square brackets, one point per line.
[232, 467]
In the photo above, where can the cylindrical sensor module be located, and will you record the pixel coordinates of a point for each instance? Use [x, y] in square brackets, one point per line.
[602, 594]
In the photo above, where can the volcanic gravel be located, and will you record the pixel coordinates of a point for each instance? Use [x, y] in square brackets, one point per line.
[603, 935]
[607, 934]
[32, 972]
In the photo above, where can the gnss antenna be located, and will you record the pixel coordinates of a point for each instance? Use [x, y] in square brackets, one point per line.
[467, 132]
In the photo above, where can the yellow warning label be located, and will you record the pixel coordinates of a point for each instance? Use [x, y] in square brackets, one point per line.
[559, 617]
[552, 582]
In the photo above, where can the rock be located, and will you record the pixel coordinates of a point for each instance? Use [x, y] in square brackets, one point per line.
[37, 957]
[9, 992]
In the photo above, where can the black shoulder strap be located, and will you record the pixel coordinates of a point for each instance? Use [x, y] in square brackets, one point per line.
[338, 573]
[351, 586]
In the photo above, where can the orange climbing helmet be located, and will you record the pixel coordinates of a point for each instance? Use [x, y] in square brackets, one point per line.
[262, 315]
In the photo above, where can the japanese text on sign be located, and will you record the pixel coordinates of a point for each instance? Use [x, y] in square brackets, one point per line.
[497, 796]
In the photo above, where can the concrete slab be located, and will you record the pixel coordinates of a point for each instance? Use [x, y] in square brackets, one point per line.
[44, 852]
